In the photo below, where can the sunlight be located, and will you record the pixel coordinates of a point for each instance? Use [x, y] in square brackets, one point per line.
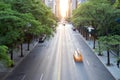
[63, 7]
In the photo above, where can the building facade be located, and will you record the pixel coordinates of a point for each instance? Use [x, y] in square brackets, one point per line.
[51, 4]
[55, 6]
[73, 5]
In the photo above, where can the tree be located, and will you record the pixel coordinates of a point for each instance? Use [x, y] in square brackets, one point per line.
[23, 19]
[14, 25]
[41, 14]
[4, 56]
[117, 4]
[8, 26]
[100, 15]
[107, 41]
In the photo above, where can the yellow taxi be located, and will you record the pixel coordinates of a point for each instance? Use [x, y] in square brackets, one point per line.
[77, 56]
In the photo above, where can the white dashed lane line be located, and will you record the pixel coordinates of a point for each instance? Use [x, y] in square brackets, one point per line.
[87, 62]
[41, 77]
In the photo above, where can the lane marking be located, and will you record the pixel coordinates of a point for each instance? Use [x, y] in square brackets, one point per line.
[59, 57]
[87, 62]
[59, 67]
[41, 77]
[23, 77]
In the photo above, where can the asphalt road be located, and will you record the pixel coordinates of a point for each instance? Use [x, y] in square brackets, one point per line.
[53, 60]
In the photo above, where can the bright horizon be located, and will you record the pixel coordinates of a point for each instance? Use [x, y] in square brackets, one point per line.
[63, 7]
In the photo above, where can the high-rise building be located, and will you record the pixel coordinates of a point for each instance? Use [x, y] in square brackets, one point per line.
[54, 5]
[73, 5]
[69, 8]
[49, 3]
[57, 8]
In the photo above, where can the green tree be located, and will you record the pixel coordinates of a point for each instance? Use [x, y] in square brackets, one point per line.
[23, 19]
[14, 25]
[100, 15]
[40, 12]
[4, 56]
[117, 4]
[8, 29]
[109, 41]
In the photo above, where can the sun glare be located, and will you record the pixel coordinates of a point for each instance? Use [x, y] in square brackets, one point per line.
[63, 7]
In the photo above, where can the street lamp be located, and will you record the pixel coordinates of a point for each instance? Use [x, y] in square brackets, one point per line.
[90, 30]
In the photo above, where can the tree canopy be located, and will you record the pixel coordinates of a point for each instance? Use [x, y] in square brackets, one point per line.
[4, 56]
[21, 17]
[99, 14]
[102, 15]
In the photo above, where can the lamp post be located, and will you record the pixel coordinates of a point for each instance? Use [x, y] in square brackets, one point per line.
[90, 30]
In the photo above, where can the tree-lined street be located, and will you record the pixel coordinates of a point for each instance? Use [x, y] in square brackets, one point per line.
[58, 29]
[21, 22]
[53, 60]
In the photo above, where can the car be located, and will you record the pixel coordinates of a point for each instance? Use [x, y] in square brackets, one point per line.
[63, 24]
[77, 56]
[42, 38]
[73, 28]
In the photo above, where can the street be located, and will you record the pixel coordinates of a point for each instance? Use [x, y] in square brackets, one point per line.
[53, 60]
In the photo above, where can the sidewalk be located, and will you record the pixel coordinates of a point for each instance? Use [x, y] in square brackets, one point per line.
[113, 69]
[17, 59]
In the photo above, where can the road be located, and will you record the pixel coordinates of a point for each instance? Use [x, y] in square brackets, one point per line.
[53, 60]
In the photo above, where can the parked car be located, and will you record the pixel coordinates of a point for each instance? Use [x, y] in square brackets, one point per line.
[42, 38]
[63, 24]
[77, 56]
[73, 28]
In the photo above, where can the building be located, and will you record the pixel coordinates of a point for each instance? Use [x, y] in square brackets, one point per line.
[55, 6]
[73, 5]
[51, 4]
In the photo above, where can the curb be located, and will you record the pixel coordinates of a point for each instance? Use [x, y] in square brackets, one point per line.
[22, 58]
[96, 55]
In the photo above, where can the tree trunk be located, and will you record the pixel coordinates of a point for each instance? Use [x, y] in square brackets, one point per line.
[28, 46]
[83, 33]
[81, 30]
[94, 39]
[86, 35]
[99, 48]
[118, 51]
[108, 57]
[21, 50]
[11, 52]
